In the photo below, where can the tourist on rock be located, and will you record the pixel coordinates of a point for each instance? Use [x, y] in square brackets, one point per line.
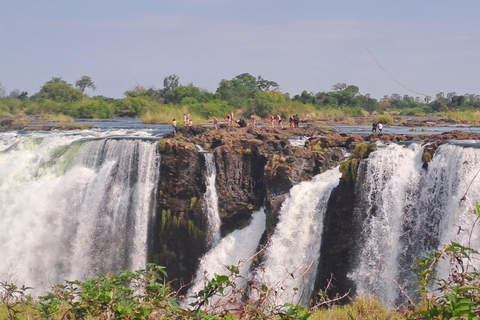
[380, 127]
[291, 122]
[174, 124]
[215, 123]
[228, 120]
[253, 121]
[272, 119]
[374, 127]
[296, 120]
[280, 125]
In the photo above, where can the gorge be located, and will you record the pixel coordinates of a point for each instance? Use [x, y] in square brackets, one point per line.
[80, 203]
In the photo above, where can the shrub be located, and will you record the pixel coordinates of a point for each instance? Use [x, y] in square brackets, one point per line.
[385, 119]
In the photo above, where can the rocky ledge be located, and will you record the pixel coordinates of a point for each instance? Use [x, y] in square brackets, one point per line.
[256, 167]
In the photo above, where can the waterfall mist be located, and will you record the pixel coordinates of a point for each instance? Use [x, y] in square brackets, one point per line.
[74, 207]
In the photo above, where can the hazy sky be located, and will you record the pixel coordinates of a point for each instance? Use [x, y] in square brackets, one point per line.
[428, 46]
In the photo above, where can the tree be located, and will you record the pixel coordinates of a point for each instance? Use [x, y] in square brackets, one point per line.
[266, 85]
[14, 94]
[177, 94]
[58, 90]
[238, 90]
[23, 95]
[170, 82]
[85, 82]
[339, 87]
[262, 104]
[395, 96]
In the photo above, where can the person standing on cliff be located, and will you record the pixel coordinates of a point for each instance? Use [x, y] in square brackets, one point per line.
[280, 125]
[253, 121]
[296, 120]
[374, 127]
[272, 120]
[215, 123]
[174, 124]
[380, 127]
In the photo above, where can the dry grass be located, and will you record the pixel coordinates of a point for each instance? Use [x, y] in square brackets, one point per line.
[166, 114]
[467, 117]
[60, 117]
[361, 308]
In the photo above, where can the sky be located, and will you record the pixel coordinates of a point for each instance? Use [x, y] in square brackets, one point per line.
[414, 47]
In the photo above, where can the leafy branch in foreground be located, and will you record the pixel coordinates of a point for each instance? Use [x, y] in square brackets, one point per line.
[11, 297]
[130, 295]
[458, 296]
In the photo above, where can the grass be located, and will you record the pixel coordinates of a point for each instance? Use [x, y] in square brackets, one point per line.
[165, 115]
[467, 117]
[384, 118]
[361, 308]
[60, 117]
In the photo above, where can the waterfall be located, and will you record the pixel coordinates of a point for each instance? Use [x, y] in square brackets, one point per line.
[292, 255]
[73, 207]
[391, 177]
[406, 212]
[236, 249]
[211, 198]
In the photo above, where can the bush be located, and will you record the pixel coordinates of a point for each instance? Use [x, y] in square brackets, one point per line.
[384, 118]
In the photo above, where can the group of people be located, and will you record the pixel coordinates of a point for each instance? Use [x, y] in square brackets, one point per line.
[377, 126]
[294, 121]
[187, 121]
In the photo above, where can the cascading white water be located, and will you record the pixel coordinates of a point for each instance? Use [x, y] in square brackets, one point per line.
[292, 255]
[71, 208]
[391, 177]
[406, 212]
[236, 249]
[211, 199]
[452, 174]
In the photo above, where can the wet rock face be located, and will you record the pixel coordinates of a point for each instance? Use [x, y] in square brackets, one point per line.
[255, 168]
[338, 241]
[178, 229]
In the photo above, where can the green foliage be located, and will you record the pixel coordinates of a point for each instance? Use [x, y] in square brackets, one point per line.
[460, 298]
[349, 168]
[58, 90]
[363, 150]
[130, 295]
[13, 299]
[192, 202]
[427, 156]
[385, 119]
[85, 82]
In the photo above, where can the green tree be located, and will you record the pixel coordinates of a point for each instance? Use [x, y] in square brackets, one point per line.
[85, 82]
[170, 82]
[177, 94]
[58, 90]
[266, 85]
[261, 104]
[238, 90]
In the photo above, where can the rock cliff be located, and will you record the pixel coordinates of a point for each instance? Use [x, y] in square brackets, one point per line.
[256, 168]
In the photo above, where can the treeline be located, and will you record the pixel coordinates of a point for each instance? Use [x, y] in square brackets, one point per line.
[245, 95]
